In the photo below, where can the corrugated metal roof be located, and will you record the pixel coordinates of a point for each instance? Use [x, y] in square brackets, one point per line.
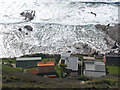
[99, 63]
[89, 67]
[95, 66]
[29, 58]
[89, 62]
[94, 73]
[72, 63]
[100, 68]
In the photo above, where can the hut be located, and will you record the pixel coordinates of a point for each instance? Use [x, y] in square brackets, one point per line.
[94, 69]
[46, 68]
[26, 62]
[71, 65]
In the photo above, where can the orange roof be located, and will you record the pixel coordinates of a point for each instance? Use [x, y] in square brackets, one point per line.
[49, 63]
[51, 75]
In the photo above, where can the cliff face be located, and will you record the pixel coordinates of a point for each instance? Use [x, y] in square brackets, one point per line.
[112, 31]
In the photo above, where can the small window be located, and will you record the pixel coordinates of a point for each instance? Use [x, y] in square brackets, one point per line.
[62, 61]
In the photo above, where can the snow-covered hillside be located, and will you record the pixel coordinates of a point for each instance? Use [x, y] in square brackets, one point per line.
[57, 11]
[59, 25]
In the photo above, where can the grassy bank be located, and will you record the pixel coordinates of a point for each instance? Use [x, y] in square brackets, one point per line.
[9, 60]
[15, 78]
[113, 70]
[8, 68]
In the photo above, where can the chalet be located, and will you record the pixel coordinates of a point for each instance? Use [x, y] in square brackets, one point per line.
[94, 68]
[26, 62]
[71, 63]
[44, 68]
[88, 66]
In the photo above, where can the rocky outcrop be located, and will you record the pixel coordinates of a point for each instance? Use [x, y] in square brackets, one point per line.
[28, 27]
[28, 15]
[112, 31]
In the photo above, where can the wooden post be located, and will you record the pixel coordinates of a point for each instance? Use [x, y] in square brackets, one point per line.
[82, 67]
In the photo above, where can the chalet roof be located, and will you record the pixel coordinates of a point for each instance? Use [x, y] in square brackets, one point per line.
[88, 58]
[28, 58]
[99, 68]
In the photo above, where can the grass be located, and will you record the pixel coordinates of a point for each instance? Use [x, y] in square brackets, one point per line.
[31, 68]
[9, 60]
[59, 71]
[13, 77]
[113, 70]
[7, 68]
[107, 81]
[46, 59]
[83, 78]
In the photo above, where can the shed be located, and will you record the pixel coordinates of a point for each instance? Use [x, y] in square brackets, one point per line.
[27, 62]
[46, 68]
[72, 63]
[65, 55]
[94, 69]
[33, 71]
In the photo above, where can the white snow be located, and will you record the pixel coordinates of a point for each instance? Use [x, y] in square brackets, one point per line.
[57, 26]
[56, 11]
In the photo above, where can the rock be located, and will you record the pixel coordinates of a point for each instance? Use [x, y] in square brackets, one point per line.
[93, 13]
[69, 51]
[112, 31]
[26, 33]
[102, 27]
[28, 27]
[22, 14]
[115, 46]
[20, 29]
[28, 15]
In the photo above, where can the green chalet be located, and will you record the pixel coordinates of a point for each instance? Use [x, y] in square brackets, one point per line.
[27, 62]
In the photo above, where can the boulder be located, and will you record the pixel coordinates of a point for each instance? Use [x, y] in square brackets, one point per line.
[28, 27]
[20, 29]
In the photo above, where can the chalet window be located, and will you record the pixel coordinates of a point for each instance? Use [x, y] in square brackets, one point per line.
[62, 61]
